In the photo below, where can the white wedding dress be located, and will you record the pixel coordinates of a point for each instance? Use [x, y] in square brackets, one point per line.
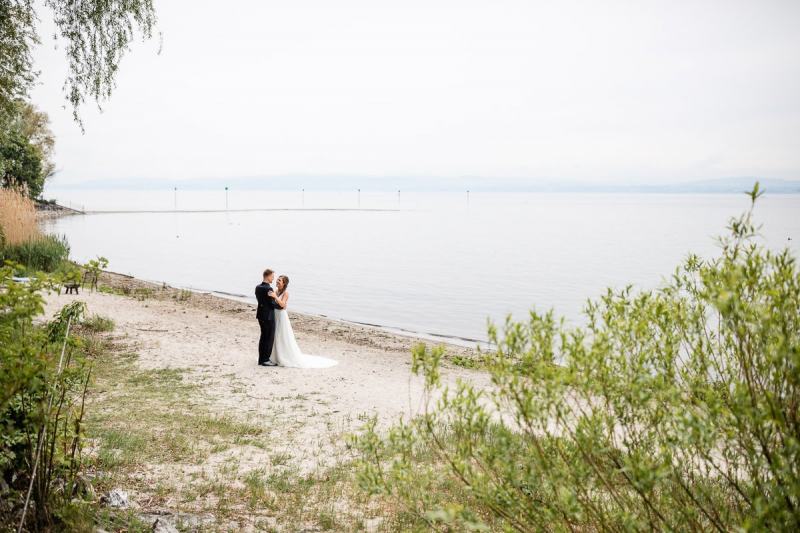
[286, 352]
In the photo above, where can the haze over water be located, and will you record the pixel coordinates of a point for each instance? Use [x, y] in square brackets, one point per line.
[433, 263]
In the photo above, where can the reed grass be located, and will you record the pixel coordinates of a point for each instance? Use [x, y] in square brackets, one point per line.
[44, 253]
[17, 218]
[21, 240]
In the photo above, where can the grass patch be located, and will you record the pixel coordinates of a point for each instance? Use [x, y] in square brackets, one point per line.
[98, 324]
[108, 289]
[280, 459]
[183, 295]
[137, 293]
[466, 361]
[155, 434]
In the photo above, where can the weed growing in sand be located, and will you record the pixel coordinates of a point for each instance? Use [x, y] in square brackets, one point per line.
[98, 324]
[142, 293]
[466, 361]
[108, 289]
[137, 293]
[280, 459]
[183, 295]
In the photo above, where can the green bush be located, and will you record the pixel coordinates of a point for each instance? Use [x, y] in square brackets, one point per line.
[44, 376]
[675, 409]
[45, 254]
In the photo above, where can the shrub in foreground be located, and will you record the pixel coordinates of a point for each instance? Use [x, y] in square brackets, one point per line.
[676, 409]
[44, 377]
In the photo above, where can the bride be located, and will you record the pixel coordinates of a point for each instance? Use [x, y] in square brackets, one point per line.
[286, 352]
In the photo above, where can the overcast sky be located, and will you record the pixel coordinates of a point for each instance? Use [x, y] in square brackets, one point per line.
[595, 91]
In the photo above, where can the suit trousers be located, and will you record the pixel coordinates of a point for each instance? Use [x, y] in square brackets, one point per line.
[266, 340]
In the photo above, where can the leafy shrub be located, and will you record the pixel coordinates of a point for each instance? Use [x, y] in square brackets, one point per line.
[46, 253]
[95, 266]
[43, 381]
[674, 409]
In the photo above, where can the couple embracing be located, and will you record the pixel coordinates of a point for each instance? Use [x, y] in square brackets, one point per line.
[277, 345]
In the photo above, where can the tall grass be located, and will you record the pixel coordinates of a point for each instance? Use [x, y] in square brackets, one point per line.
[17, 218]
[46, 253]
[20, 238]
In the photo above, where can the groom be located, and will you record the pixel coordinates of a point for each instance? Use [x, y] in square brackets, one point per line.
[266, 318]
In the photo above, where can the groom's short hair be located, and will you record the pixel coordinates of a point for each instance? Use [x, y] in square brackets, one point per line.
[268, 272]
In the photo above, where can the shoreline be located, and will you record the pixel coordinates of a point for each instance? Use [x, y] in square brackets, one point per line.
[252, 210]
[466, 344]
[455, 341]
[364, 334]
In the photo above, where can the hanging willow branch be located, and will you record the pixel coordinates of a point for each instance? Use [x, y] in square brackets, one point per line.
[96, 34]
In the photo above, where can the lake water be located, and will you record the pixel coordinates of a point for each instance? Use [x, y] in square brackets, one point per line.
[433, 263]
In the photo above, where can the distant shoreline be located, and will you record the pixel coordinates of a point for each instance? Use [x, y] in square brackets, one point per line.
[249, 210]
[415, 185]
[46, 210]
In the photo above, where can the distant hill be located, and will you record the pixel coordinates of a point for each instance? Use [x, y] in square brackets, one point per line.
[729, 185]
[475, 184]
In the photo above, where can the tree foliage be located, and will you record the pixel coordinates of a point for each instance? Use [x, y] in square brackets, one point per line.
[672, 409]
[26, 148]
[34, 125]
[20, 164]
[17, 37]
[96, 34]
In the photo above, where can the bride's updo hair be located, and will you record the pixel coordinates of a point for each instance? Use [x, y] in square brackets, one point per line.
[285, 284]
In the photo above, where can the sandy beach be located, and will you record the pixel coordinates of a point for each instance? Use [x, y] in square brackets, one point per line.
[213, 341]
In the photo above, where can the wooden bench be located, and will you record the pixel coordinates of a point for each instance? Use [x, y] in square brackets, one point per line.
[89, 278]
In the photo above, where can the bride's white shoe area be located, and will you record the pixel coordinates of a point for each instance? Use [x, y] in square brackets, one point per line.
[286, 352]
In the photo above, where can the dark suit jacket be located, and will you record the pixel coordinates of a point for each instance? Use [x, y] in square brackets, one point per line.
[266, 305]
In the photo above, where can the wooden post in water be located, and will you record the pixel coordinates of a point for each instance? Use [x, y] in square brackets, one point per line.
[398, 197]
[359, 198]
[467, 198]
[226, 198]
[303, 198]
[176, 198]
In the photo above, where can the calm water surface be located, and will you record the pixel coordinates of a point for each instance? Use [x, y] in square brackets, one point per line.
[435, 263]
